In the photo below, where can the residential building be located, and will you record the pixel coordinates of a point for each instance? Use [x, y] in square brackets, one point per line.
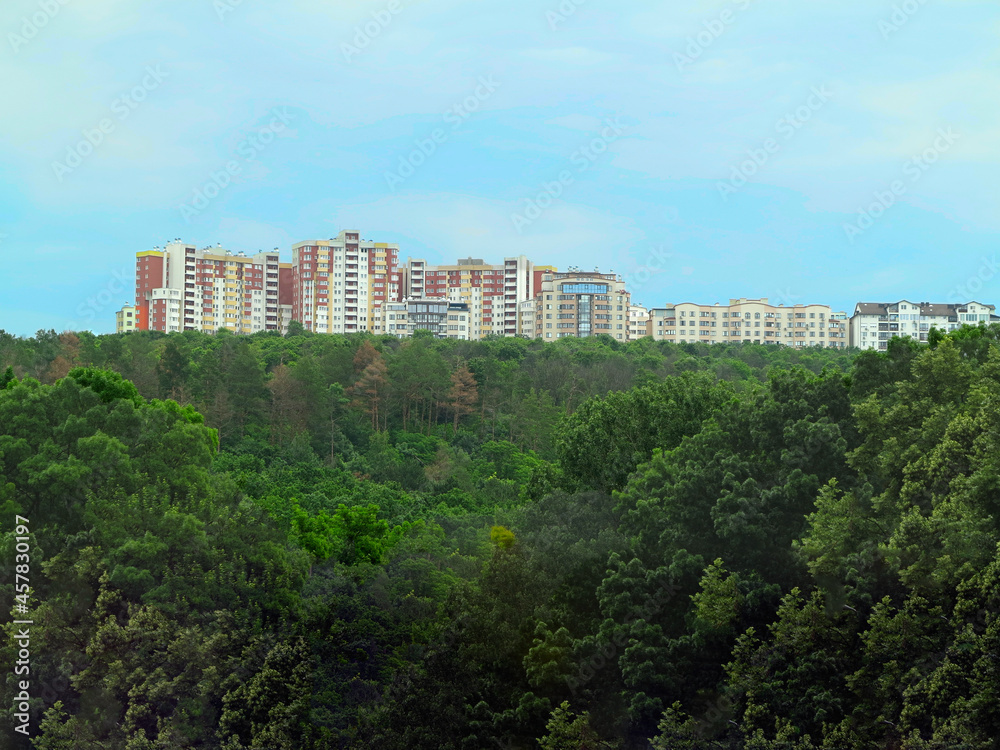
[750, 320]
[875, 323]
[337, 285]
[581, 303]
[125, 319]
[446, 320]
[526, 322]
[491, 291]
[181, 288]
[638, 322]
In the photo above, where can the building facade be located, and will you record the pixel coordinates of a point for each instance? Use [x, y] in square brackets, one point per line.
[182, 288]
[444, 319]
[492, 292]
[581, 303]
[750, 321]
[125, 319]
[338, 285]
[875, 323]
[638, 322]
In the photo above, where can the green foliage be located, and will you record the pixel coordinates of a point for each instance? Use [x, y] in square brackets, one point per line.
[603, 442]
[502, 537]
[322, 541]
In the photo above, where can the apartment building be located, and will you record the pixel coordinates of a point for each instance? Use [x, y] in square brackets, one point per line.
[581, 303]
[445, 319]
[491, 291]
[338, 285]
[181, 288]
[875, 323]
[526, 323]
[750, 320]
[125, 319]
[638, 322]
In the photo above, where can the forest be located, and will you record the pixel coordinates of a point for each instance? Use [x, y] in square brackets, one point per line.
[312, 541]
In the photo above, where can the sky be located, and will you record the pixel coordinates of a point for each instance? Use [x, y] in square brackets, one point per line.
[827, 152]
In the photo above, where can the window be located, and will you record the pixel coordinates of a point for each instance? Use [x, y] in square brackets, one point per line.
[585, 288]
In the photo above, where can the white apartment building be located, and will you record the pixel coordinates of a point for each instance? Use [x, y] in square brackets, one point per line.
[338, 284]
[638, 322]
[526, 322]
[750, 321]
[446, 320]
[493, 292]
[875, 323]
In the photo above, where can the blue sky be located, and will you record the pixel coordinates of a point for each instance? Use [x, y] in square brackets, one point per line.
[722, 149]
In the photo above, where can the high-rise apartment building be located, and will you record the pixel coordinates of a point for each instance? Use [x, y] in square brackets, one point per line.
[581, 303]
[492, 291]
[875, 323]
[750, 320]
[181, 288]
[338, 285]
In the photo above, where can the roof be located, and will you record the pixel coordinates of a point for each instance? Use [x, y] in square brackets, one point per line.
[931, 309]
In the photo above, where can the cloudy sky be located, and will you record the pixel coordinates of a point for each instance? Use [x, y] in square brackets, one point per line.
[830, 151]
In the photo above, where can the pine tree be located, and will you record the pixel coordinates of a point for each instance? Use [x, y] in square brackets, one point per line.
[463, 394]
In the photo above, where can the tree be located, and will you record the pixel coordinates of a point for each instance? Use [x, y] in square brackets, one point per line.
[290, 406]
[569, 732]
[172, 368]
[463, 395]
[370, 389]
[606, 439]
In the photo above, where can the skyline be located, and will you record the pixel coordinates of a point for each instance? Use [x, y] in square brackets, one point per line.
[725, 149]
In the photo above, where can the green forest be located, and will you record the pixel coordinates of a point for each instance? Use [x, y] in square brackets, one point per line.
[314, 541]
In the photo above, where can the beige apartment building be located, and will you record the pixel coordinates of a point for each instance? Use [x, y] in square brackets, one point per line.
[750, 320]
[579, 303]
[875, 323]
[125, 319]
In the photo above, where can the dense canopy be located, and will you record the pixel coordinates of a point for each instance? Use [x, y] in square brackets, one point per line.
[315, 541]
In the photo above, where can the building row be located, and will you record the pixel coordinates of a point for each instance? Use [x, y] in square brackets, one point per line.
[348, 285]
